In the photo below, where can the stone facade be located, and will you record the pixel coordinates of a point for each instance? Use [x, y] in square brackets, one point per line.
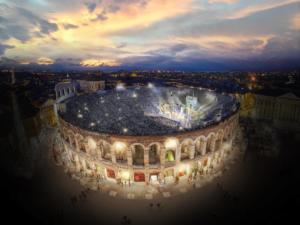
[146, 159]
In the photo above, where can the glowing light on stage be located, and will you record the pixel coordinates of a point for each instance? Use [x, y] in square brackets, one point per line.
[134, 95]
[125, 130]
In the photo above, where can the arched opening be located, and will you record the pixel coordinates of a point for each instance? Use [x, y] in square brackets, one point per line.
[154, 154]
[225, 135]
[199, 145]
[219, 140]
[186, 148]
[105, 150]
[210, 144]
[138, 155]
[121, 152]
[72, 140]
[82, 146]
[170, 155]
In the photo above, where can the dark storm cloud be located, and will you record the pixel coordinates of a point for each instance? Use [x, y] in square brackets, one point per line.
[286, 46]
[91, 6]
[272, 21]
[19, 22]
[113, 6]
[100, 17]
[68, 26]
[3, 48]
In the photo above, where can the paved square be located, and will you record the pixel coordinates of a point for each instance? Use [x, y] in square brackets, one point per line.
[113, 193]
[148, 196]
[130, 196]
[166, 194]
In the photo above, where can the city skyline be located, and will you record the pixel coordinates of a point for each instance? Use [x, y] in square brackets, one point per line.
[140, 34]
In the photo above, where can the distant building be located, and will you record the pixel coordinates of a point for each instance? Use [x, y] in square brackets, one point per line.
[65, 89]
[282, 110]
[90, 86]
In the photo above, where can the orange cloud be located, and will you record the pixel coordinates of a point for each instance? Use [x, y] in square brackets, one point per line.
[45, 61]
[296, 22]
[223, 1]
[259, 7]
[99, 62]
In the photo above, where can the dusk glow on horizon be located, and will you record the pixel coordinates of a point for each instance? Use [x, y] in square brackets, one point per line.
[150, 34]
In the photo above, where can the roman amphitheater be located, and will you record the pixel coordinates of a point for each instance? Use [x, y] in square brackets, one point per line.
[144, 136]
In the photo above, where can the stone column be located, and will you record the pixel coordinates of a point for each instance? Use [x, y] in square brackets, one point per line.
[147, 176]
[70, 140]
[192, 151]
[113, 156]
[162, 156]
[76, 144]
[178, 154]
[213, 144]
[146, 157]
[129, 157]
[203, 147]
[221, 139]
[83, 164]
[86, 146]
[77, 163]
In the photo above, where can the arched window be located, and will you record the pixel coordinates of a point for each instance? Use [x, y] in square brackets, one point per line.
[210, 143]
[105, 151]
[170, 155]
[186, 148]
[138, 155]
[154, 154]
[199, 145]
[82, 146]
[219, 140]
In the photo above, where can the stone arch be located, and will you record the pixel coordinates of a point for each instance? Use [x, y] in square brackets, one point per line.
[219, 139]
[187, 149]
[154, 153]
[210, 144]
[200, 145]
[105, 149]
[231, 129]
[91, 145]
[170, 155]
[81, 143]
[226, 133]
[138, 152]
[172, 149]
[64, 133]
[120, 152]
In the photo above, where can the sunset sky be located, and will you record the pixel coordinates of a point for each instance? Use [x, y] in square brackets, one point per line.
[149, 34]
